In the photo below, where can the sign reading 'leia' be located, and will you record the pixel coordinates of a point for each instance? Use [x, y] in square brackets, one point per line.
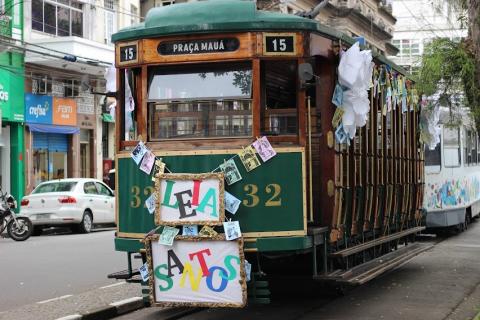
[198, 46]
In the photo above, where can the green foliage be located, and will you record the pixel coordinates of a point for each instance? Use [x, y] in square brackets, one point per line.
[448, 73]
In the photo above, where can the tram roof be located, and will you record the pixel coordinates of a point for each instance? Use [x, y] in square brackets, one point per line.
[217, 16]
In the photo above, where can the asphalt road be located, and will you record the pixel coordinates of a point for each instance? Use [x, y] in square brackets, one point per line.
[52, 266]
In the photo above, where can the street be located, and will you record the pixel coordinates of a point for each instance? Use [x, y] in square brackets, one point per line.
[440, 284]
[53, 267]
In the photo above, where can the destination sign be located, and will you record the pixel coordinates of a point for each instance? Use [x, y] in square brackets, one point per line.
[198, 46]
[279, 44]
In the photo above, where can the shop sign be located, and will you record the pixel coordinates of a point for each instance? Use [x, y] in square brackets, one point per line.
[38, 108]
[85, 121]
[85, 103]
[11, 96]
[198, 46]
[64, 111]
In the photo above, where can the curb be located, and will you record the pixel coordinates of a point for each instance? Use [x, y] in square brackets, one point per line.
[111, 311]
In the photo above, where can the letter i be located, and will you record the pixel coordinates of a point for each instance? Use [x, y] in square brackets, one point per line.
[196, 192]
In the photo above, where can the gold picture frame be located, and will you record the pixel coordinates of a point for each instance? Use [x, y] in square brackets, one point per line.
[151, 282]
[190, 177]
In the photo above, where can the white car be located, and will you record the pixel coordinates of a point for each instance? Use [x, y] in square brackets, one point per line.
[77, 202]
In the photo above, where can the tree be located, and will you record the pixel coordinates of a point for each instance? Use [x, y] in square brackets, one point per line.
[453, 69]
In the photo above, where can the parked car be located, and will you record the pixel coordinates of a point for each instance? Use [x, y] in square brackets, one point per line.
[78, 203]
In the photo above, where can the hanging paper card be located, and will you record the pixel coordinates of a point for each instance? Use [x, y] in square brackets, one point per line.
[168, 235]
[209, 272]
[185, 199]
[340, 134]
[138, 152]
[231, 203]
[248, 270]
[158, 168]
[337, 117]
[232, 230]
[231, 172]
[190, 230]
[249, 158]
[147, 162]
[337, 98]
[150, 203]
[144, 272]
[264, 149]
[207, 231]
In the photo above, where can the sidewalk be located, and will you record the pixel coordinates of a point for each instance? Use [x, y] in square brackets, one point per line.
[95, 303]
[440, 284]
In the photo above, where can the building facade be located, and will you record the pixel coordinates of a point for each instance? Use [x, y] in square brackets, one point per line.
[418, 22]
[370, 19]
[12, 148]
[68, 131]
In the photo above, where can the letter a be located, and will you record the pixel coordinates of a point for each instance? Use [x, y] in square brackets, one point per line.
[172, 256]
[194, 279]
[205, 202]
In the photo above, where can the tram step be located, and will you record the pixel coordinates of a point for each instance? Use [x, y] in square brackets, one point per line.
[124, 274]
[372, 243]
[373, 268]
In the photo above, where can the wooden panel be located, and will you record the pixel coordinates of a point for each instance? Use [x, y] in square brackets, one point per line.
[257, 96]
[246, 49]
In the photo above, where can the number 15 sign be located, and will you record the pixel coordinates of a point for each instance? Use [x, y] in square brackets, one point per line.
[127, 53]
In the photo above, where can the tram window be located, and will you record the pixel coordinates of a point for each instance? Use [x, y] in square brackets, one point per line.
[451, 147]
[473, 152]
[433, 157]
[467, 146]
[279, 97]
[200, 102]
[130, 117]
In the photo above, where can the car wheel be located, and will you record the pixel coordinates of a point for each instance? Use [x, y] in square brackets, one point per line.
[86, 224]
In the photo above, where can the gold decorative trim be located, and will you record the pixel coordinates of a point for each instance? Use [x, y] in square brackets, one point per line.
[185, 177]
[248, 236]
[151, 280]
[158, 153]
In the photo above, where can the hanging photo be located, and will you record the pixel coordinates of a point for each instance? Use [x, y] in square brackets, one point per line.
[150, 203]
[144, 272]
[190, 230]
[337, 117]
[207, 231]
[168, 235]
[158, 168]
[249, 158]
[337, 98]
[231, 172]
[138, 152]
[248, 270]
[231, 203]
[264, 149]
[147, 162]
[232, 230]
[340, 134]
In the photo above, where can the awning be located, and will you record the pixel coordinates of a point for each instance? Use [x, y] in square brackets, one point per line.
[107, 117]
[47, 128]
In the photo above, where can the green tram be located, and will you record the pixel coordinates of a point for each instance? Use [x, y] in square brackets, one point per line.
[208, 78]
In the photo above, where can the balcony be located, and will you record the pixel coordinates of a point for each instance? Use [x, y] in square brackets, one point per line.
[92, 57]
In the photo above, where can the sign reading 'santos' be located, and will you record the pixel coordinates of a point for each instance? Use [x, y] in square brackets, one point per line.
[198, 46]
